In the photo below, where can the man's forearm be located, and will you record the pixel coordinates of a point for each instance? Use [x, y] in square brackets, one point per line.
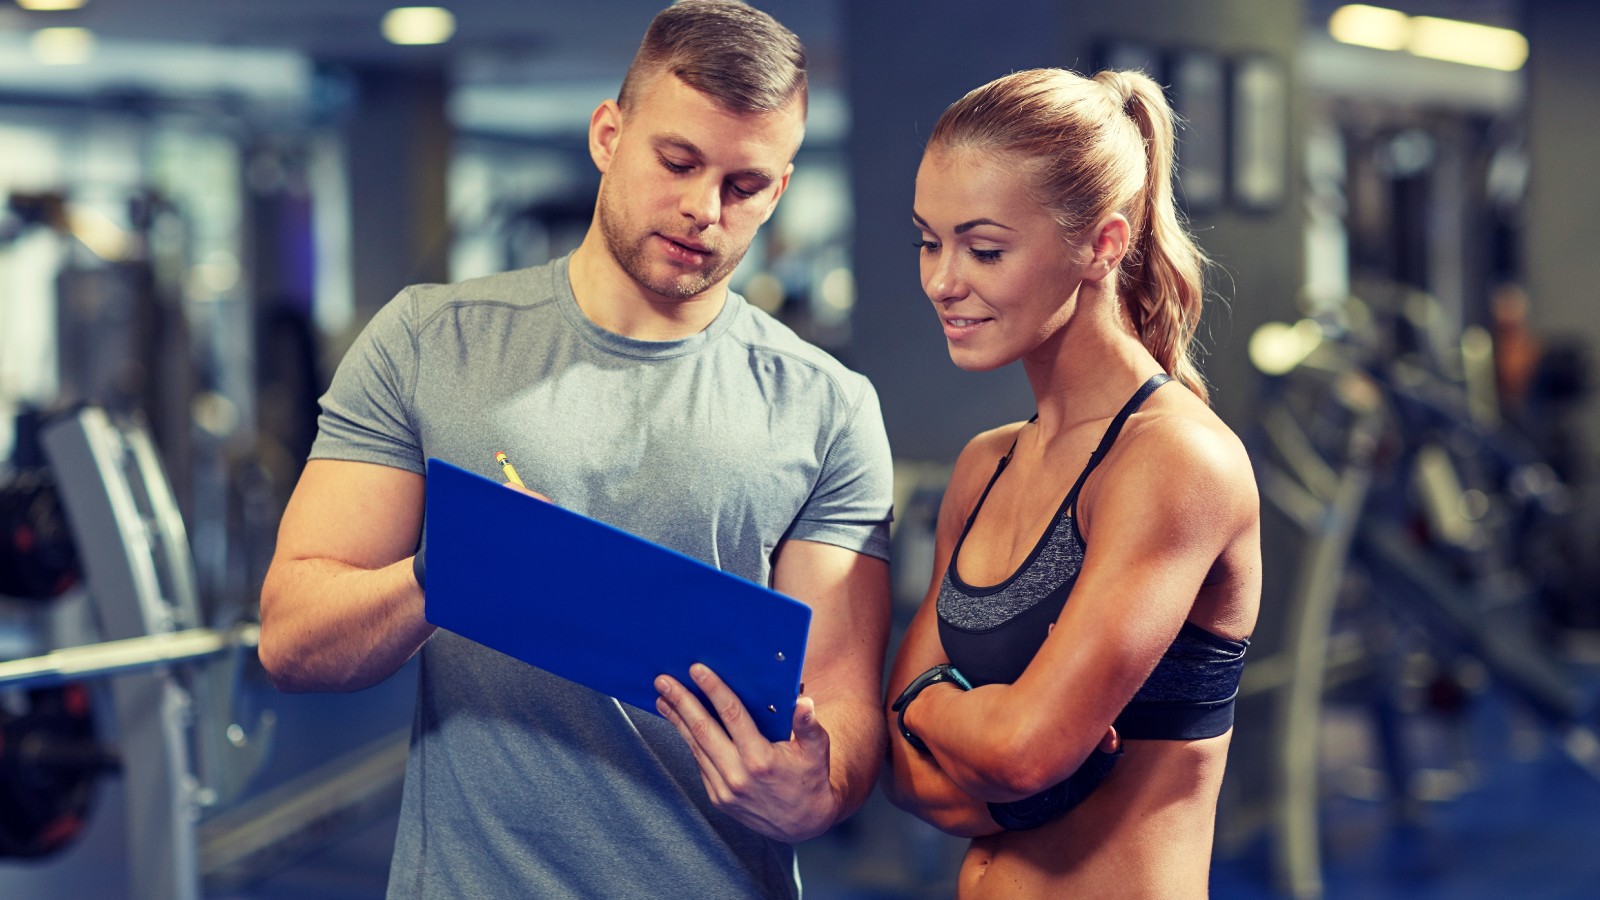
[856, 741]
[330, 626]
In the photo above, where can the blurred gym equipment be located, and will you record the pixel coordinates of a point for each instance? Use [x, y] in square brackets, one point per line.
[156, 700]
[1415, 523]
[173, 686]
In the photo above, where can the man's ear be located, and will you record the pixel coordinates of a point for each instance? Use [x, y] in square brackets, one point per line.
[1108, 245]
[605, 127]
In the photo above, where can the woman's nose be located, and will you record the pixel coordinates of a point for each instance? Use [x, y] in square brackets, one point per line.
[944, 279]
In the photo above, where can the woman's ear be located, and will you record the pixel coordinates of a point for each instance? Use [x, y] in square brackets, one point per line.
[1108, 245]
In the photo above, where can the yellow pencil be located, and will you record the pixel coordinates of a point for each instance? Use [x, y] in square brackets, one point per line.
[508, 468]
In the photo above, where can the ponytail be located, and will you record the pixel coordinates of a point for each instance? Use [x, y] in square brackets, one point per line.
[1163, 271]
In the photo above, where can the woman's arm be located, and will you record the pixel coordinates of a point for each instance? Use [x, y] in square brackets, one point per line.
[1161, 516]
[912, 779]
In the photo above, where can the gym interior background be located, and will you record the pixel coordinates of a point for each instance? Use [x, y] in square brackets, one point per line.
[203, 202]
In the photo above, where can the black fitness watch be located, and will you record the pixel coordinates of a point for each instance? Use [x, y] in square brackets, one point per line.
[942, 673]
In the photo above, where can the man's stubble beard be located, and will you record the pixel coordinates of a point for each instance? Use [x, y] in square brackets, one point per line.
[630, 253]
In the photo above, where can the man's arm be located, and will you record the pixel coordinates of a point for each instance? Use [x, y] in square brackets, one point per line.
[848, 594]
[340, 607]
[797, 789]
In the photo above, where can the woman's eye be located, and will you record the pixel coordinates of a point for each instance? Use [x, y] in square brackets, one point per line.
[987, 256]
[926, 246]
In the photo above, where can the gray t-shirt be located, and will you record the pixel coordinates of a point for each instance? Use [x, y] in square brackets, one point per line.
[721, 445]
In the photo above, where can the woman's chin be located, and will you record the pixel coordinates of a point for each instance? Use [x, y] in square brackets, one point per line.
[968, 361]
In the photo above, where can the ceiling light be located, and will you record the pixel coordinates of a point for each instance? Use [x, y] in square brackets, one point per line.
[62, 46]
[1448, 39]
[1370, 26]
[1468, 42]
[51, 5]
[418, 25]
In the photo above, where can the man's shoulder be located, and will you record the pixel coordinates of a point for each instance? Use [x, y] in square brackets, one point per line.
[518, 287]
[761, 333]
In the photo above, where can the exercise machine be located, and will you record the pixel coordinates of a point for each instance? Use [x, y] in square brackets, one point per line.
[1411, 513]
[156, 700]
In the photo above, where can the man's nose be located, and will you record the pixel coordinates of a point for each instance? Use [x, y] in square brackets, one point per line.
[701, 201]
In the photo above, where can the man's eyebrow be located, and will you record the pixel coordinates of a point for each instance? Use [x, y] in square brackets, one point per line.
[689, 147]
[964, 226]
[680, 142]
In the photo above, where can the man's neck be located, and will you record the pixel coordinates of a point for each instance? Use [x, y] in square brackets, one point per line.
[614, 301]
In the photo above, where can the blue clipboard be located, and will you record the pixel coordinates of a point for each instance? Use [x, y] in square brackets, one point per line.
[601, 607]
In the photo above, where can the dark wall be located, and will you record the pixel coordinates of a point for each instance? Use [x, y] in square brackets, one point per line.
[1564, 184]
[904, 67]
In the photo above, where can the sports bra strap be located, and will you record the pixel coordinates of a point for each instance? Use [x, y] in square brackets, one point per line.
[1112, 430]
[1128, 409]
[999, 467]
[1115, 428]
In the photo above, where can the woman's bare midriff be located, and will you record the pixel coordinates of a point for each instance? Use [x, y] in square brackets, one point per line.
[1146, 832]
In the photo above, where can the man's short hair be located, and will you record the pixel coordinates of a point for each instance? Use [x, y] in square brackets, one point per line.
[735, 54]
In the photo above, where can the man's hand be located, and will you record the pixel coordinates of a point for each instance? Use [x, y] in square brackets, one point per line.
[781, 790]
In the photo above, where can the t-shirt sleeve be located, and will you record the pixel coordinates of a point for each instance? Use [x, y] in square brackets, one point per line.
[366, 412]
[853, 502]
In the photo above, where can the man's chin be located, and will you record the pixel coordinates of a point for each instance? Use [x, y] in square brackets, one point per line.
[674, 283]
[683, 287]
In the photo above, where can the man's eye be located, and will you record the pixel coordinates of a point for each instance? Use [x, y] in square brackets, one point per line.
[673, 167]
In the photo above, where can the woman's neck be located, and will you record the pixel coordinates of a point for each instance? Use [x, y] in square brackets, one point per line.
[1089, 367]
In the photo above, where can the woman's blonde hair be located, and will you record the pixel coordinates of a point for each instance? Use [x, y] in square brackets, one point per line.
[1090, 148]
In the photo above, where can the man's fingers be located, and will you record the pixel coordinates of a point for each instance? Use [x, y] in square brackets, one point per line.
[679, 706]
[529, 491]
[730, 709]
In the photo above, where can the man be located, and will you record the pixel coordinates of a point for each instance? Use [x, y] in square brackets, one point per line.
[630, 385]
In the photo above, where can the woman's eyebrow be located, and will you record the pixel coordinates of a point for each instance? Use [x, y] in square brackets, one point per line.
[964, 226]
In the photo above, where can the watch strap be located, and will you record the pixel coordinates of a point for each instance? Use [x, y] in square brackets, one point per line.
[942, 673]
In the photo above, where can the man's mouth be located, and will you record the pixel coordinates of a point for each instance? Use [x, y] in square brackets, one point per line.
[687, 246]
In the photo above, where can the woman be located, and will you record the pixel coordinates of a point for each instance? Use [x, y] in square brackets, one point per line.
[1048, 235]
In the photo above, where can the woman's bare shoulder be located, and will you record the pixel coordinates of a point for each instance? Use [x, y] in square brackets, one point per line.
[1186, 443]
[975, 465]
[981, 454]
